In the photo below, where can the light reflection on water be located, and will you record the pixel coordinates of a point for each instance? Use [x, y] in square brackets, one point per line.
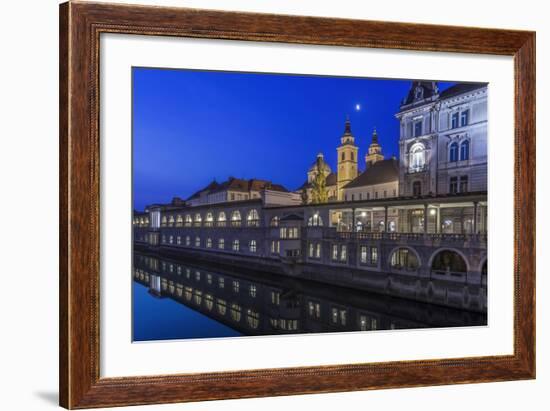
[175, 300]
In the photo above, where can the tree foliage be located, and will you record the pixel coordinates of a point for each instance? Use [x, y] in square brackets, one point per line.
[319, 192]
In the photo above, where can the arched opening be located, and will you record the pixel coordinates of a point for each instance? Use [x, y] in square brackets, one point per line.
[417, 158]
[274, 222]
[465, 150]
[417, 188]
[315, 220]
[253, 219]
[209, 220]
[222, 219]
[198, 220]
[236, 218]
[188, 220]
[179, 220]
[449, 262]
[404, 259]
[453, 152]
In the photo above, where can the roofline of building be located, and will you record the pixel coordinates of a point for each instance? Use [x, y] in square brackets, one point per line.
[411, 106]
[203, 206]
[390, 201]
[395, 201]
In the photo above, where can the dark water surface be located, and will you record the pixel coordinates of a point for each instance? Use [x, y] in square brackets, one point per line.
[177, 300]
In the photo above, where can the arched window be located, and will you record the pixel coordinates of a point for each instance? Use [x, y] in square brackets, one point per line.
[448, 262]
[274, 222]
[417, 188]
[352, 156]
[465, 150]
[404, 259]
[198, 220]
[188, 220]
[209, 220]
[179, 220]
[253, 219]
[315, 220]
[222, 219]
[171, 221]
[343, 156]
[164, 221]
[417, 158]
[453, 152]
[236, 218]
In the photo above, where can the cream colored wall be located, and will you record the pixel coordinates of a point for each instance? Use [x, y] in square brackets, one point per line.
[389, 187]
[347, 169]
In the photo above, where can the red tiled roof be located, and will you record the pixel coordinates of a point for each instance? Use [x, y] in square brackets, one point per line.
[238, 184]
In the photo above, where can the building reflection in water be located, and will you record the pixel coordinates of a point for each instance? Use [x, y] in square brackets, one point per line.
[265, 304]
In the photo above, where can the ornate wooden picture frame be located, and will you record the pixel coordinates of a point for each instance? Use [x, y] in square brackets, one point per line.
[81, 25]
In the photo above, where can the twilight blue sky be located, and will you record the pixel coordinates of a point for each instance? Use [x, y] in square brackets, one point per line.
[190, 126]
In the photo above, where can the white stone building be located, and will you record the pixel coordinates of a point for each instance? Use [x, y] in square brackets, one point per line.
[443, 139]
[236, 189]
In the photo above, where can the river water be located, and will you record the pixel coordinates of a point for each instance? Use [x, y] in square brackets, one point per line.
[177, 299]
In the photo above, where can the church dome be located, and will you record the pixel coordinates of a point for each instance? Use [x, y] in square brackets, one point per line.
[323, 165]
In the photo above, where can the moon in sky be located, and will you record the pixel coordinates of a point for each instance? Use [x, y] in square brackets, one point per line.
[357, 107]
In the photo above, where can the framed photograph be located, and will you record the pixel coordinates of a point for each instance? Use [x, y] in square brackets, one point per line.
[260, 205]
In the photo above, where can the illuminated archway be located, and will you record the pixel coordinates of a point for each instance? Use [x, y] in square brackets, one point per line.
[448, 261]
[404, 259]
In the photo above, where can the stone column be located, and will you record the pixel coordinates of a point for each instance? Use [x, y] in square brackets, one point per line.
[475, 217]
[371, 220]
[426, 218]
[353, 220]
[386, 219]
[438, 220]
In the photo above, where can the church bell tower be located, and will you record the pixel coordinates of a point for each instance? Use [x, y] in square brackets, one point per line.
[347, 160]
[375, 151]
